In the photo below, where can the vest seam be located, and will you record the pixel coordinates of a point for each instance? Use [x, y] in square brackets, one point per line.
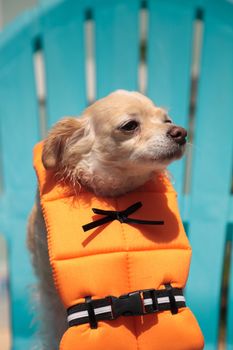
[49, 243]
[120, 251]
[128, 269]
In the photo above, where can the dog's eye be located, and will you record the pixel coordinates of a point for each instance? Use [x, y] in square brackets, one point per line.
[129, 126]
[168, 121]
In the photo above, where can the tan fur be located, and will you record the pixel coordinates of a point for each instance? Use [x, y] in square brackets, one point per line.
[95, 152]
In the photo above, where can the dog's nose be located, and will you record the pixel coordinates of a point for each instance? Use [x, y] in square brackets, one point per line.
[178, 134]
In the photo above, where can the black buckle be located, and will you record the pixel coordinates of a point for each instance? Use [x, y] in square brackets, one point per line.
[127, 305]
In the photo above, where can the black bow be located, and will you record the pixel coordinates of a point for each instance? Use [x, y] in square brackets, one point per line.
[121, 216]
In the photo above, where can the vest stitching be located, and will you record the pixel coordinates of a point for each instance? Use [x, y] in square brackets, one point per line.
[128, 273]
[119, 251]
[49, 242]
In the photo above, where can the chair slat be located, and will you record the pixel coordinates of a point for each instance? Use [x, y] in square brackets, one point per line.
[19, 132]
[211, 172]
[231, 209]
[169, 63]
[116, 45]
[22, 343]
[64, 55]
[229, 330]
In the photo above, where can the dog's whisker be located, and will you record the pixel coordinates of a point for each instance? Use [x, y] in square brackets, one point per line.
[191, 146]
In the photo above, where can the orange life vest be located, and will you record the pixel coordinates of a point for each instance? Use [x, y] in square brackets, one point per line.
[118, 258]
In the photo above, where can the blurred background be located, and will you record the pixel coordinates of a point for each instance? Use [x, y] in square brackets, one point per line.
[9, 9]
[58, 56]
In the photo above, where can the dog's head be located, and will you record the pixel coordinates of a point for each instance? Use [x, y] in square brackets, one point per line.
[121, 138]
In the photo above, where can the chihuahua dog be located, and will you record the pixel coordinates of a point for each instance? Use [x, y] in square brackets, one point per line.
[118, 144]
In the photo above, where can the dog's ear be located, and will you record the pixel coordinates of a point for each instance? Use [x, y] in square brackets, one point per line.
[57, 138]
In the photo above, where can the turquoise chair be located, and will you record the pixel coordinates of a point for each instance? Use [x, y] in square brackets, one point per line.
[56, 29]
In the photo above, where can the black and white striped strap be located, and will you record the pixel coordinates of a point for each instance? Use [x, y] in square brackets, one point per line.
[141, 302]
